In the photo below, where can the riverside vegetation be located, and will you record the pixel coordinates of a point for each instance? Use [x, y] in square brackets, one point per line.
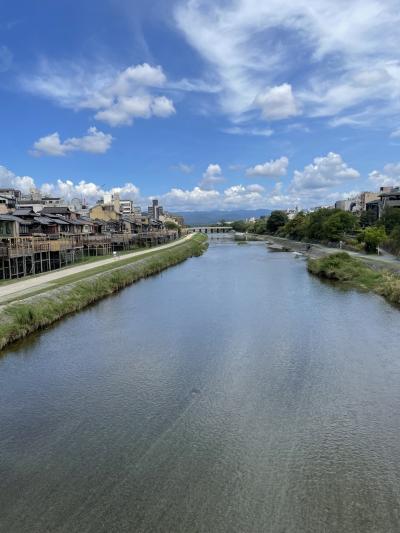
[354, 273]
[17, 320]
[364, 232]
[329, 226]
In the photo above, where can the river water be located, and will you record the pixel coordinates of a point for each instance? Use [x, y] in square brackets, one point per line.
[232, 393]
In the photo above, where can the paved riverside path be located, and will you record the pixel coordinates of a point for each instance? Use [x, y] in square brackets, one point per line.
[26, 285]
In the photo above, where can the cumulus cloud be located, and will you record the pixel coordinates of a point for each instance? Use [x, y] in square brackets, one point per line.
[211, 177]
[9, 179]
[236, 196]
[277, 103]
[68, 189]
[126, 109]
[88, 190]
[271, 169]
[348, 50]
[95, 142]
[388, 177]
[194, 199]
[118, 98]
[324, 173]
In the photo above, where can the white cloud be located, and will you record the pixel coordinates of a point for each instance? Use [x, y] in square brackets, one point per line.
[277, 103]
[9, 179]
[240, 130]
[271, 169]
[211, 177]
[395, 134]
[89, 191]
[140, 75]
[255, 187]
[117, 97]
[197, 199]
[126, 109]
[67, 189]
[184, 168]
[339, 56]
[388, 177]
[95, 142]
[323, 173]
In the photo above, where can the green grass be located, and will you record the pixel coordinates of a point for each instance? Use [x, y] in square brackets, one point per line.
[71, 278]
[20, 319]
[355, 273]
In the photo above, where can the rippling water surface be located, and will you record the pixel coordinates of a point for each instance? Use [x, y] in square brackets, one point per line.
[233, 393]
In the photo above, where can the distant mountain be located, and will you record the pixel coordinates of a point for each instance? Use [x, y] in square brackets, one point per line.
[199, 218]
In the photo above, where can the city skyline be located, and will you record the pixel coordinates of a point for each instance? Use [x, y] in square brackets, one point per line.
[204, 105]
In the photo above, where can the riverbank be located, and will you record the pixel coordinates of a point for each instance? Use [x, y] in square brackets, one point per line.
[354, 273]
[19, 319]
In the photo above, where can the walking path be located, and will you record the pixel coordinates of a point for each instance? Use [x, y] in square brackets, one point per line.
[318, 250]
[38, 282]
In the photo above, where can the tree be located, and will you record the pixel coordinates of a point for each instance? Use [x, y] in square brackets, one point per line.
[315, 223]
[276, 220]
[338, 224]
[240, 226]
[169, 224]
[296, 228]
[393, 243]
[330, 224]
[374, 236]
[260, 226]
[368, 218]
[390, 218]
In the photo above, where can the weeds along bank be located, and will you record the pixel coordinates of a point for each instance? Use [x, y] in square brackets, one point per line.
[17, 320]
[354, 273]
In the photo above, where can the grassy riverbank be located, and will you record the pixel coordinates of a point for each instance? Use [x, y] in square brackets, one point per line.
[18, 320]
[355, 273]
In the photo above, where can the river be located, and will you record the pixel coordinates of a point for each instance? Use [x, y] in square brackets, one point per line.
[232, 393]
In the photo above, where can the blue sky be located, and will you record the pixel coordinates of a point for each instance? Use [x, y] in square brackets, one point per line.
[205, 104]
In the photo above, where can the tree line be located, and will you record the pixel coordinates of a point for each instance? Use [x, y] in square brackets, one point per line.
[364, 231]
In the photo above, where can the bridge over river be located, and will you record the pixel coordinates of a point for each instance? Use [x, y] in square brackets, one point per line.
[210, 229]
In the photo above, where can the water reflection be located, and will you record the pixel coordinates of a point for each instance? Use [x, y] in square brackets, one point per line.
[232, 393]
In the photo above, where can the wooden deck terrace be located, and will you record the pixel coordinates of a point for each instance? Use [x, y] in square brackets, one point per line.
[23, 246]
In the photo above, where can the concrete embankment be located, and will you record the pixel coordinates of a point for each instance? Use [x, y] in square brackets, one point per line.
[19, 319]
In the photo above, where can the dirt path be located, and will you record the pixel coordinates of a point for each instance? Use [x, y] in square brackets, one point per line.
[26, 285]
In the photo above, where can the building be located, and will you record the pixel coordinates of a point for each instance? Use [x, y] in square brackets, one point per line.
[7, 204]
[113, 200]
[365, 198]
[105, 212]
[9, 226]
[11, 193]
[346, 205]
[389, 199]
[155, 211]
[126, 207]
[174, 218]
